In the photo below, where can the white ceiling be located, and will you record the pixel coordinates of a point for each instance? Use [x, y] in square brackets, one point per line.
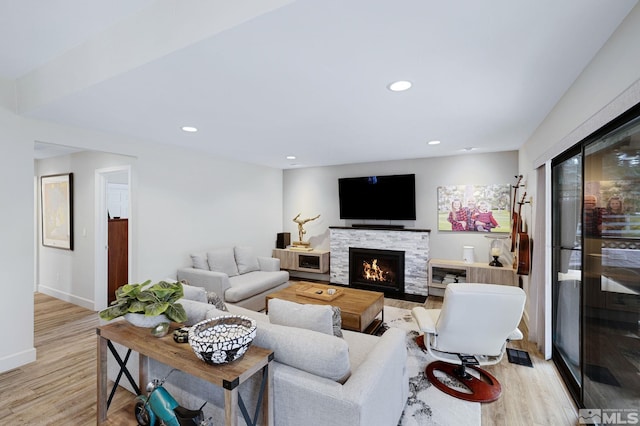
[263, 79]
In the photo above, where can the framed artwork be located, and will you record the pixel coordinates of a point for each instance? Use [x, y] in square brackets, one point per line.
[56, 193]
[474, 208]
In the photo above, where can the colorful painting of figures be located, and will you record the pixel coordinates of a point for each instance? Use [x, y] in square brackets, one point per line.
[474, 208]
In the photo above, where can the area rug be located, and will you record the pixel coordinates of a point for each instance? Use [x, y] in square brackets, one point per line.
[426, 405]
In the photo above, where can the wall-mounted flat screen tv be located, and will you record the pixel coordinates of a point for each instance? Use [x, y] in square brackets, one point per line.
[390, 197]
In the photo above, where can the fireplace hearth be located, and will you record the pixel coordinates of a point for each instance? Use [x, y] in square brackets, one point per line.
[377, 270]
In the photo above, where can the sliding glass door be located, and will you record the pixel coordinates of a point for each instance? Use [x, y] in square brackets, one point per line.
[611, 335]
[596, 268]
[567, 264]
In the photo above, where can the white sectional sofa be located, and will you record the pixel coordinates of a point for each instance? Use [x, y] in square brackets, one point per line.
[319, 379]
[237, 275]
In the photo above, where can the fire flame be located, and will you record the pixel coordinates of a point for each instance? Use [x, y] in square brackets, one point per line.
[373, 272]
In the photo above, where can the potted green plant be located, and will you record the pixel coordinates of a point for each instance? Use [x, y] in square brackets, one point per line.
[147, 305]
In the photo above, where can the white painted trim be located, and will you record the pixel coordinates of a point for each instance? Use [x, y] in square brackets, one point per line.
[36, 233]
[547, 344]
[67, 297]
[623, 102]
[17, 359]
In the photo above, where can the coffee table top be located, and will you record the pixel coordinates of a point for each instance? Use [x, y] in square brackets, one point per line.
[353, 301]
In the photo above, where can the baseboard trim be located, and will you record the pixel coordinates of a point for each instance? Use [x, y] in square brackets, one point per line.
[80, 301]
[16, 360]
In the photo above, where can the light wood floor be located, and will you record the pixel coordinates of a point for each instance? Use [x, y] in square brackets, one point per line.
[60, 387]
[530, 396]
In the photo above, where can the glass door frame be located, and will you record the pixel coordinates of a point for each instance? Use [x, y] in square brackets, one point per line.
[577, 389]
[574, 387]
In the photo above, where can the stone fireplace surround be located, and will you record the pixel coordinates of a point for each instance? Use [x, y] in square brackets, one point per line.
[414, 242]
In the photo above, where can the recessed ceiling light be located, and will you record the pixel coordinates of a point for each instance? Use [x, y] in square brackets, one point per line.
[189, 129]
[468, 149]
[434, 142]
[400, 86]
[291, 157]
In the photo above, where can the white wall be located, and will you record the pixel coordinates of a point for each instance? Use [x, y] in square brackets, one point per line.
[16, 249]
[189, 202]
[216, 203]
[607, 87]
[314, 191]
[182, 202]
[69, 274]
[613, 70]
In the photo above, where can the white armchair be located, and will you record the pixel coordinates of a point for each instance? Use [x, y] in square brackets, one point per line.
[472, 329]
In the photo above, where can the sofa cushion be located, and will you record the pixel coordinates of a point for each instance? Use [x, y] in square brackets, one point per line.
[199, 261]
[316, 353]
[223, 260]
[246, 260]
[252, 283]
[312, 317]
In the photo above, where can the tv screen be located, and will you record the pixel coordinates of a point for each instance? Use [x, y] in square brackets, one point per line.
[378, 197]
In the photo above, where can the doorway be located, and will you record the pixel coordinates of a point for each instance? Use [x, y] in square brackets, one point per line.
[113, 232]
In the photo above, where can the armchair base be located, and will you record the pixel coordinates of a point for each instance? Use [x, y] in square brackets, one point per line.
[483, 389]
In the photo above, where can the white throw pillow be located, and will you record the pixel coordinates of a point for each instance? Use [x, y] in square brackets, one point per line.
[312, 317]
[316, 353]
[245, 258]
[199, 261]
[223, 260]
[192, 292]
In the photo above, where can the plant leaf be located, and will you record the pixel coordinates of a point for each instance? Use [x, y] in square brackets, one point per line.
[113, 312]
[176, 313]
[156, 308]
[147, 296]
[136, 306]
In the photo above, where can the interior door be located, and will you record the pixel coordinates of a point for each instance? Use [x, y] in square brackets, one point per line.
[118, 263]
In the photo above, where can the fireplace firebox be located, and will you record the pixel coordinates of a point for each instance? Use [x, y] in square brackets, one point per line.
[377, 270]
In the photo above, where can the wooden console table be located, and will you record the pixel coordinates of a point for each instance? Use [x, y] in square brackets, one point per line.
[181, 356]
[316, 261]
[469, 272]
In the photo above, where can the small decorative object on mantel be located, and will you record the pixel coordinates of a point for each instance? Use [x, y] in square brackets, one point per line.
[145, 305]
[301, 244]
[224, 339]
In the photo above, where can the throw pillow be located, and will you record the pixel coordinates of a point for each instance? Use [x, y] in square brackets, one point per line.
[223, 260]
[337, 321]
[312, 317]
[215, 300]
[191, 292]
[316, 353]
[245, 258]
[199, 261]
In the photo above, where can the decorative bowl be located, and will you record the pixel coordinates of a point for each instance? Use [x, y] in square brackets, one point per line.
[223, 339]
